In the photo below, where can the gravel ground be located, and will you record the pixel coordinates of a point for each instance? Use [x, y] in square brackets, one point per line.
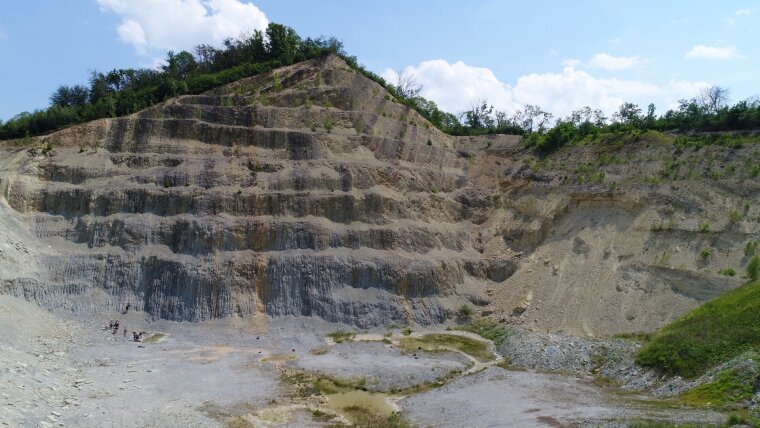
[65, 370]
[385, 367]
[610, 358]
[496, 397]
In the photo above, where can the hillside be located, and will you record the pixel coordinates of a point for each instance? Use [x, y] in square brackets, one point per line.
[310, 191]
[710, 335]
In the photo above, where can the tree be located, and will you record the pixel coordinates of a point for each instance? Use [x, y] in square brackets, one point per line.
[532, 118]
[407, 86]
[179, 65]
[479, 116]
[99, 87]
[206, 55]
[282, 42]
[714, 98]
[650, 118]
[629, 114]
[69, 96]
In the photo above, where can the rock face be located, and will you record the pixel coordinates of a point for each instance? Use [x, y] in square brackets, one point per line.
[310, 191]
[307, 191]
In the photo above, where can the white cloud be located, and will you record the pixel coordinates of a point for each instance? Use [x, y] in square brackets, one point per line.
[720, 53]
[738, 14]
[132, 32]
[456, 87]
[181, 24]
[615, 63]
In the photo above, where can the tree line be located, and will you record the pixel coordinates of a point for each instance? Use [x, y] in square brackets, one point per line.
[124, 91]
[708, 112]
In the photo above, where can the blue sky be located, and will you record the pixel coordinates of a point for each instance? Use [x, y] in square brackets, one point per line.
[560, 55]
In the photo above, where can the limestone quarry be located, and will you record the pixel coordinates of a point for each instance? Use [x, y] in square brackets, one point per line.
[247, 225]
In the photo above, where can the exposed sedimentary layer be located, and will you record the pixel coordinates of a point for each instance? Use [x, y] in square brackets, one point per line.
[323, 197]
[310, 191]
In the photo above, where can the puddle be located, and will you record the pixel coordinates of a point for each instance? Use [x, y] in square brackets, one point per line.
[373, 402]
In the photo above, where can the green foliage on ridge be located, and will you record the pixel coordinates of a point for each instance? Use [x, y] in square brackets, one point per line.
[713, 333]
[707, 118]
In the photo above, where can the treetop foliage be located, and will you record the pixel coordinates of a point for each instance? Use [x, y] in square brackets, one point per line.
[125, 91]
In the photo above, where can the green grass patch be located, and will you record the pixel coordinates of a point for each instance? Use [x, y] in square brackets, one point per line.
[730, 386]
[709, 335]
[340, 336]
[440, 342]
[362, 417]
[489, 330]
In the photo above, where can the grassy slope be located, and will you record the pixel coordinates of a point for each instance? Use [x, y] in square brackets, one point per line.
[713, 333]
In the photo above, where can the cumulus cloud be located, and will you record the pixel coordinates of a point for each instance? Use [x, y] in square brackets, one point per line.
[719, 53]
[456, 87]
[615, 63]
[150, 25]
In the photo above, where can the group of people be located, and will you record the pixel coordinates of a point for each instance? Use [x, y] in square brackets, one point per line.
[113, 325]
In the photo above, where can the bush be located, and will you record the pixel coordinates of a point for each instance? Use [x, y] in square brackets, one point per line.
[750, 249]
[464, 312]
[276, 83]
[734, 216]
[728, 272]
[705, 253]
[340, 336]
[753, 268]
[489, 330]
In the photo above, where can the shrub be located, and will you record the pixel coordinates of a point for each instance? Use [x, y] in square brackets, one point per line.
[276, 83]
[489, 330]
[464, 312]
[704, 227]
[340, 336]
[734, 216]
[328, 125]
[750, 249]
[753, 268]
[727, 272]
[705, 253]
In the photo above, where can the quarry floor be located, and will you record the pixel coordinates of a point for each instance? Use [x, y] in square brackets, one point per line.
[60, 369]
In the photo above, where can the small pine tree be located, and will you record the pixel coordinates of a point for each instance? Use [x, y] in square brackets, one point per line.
[753, 268]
